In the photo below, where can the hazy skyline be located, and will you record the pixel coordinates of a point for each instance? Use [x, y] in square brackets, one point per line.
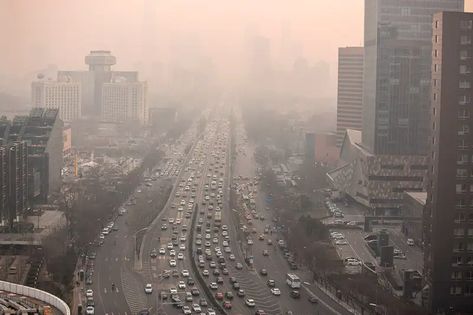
[144, 34]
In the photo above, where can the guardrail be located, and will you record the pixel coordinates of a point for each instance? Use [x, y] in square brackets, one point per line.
[37, 294]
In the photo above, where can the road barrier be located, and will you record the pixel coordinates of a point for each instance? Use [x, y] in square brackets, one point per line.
[37, 294]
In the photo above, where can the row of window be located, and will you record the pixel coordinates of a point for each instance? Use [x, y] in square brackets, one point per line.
[459, 290]
[461, 246]
[461, 231]
[459, 275]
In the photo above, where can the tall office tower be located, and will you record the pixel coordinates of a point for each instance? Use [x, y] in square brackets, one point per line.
[448, 218]
[65, 96]
[350, 91]
[396, 97]
[124, 101]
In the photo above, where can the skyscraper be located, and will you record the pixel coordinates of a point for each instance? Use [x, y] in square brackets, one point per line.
[65, 96]
[396, 97]
[448, 218]
[350, 90]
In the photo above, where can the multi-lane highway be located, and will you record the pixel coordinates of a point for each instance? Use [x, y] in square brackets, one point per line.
[197, 228]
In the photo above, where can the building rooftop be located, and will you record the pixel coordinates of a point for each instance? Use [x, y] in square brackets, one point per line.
[419, 196]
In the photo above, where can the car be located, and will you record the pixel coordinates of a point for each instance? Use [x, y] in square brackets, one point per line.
[172, 253]
[265, 252]
[188, 297]
[269, 241]
[175, 273]
[276, 291]
[180, 256]
[154, 253]
[410, 242]
[190, 281]
[236, 286]
[313, 299]
[210, 311]
[213, 286]
[172, 291]
[169, 246]
[89, 293]
[203, 302]
[225, 271]
[239, 266]
[241, 293]
[216, 272]
[196, 308]
[229, 295]
[195, 292]
[250, 303]
[341, 242]
[172, 263]
[263, 272]
[260, 312]
[227, 305]
[219, 279]
[219, 296]
[181, 285]
[212, 265]
[231, 257]
[148, 288]
[295, 294]
[162, 251]
[271, 283]
[90, 310]
[186, 310]
[205, 273]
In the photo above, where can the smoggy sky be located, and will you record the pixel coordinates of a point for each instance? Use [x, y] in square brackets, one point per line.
[141, 33]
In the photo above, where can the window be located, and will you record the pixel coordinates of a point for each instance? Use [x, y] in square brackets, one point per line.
[463, 84]
[464, 69]
[469, 260]
[464, 54]
[456, 275]
[437, 23]
[463, 113]
[470, 232]
[435, 96]
[458, 232]
[436, 38]
[434, 111]
[456, 260]
[436, 67]
[460, 217]
[469, 246]
[462, 172]
[405, 11]
[436, 53]
[462, 158]
[465, 40]
[458, 246]
[464, 130]
[455, 290]
[464, 100]
[465, 24]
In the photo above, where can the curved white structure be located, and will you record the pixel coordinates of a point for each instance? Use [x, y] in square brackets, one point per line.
[40, 295]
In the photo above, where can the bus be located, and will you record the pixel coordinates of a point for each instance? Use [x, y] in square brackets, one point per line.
[293, 281]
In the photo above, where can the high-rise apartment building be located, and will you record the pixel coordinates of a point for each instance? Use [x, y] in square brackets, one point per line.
[448, 218]
[65, 96]
[124, 102]
[350, 91]
[397, 59]
[13, 182]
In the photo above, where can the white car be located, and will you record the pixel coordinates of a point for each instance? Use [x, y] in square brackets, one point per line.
[410, 242]
[90, 310]
[231, 257]
[162, 251]
[181, 285]
[205, 273]
[341, 242]
[250, 303]
[148, 288]
[196, 308]
[186, 310]
[210, 311]
[172, 263]
[276, 291]
[185, 273]
[180, 256]
[182, 247]
[172, 291]
[89, 293]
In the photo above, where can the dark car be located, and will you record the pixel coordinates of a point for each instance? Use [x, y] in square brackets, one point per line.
[227, 305]
[233, 280]
[263, 272]
[236, 286]
[260, 312]
[203, 302]
[229, 295]
[195, 292]
[295, 294]
[190, 281]
[144, 312]
[313, 300]
[271, 283]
